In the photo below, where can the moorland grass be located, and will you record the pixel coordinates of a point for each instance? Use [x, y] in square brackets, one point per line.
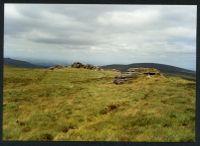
[84, 105]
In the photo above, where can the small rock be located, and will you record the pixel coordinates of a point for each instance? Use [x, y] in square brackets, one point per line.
[51, 68]
[56, 67]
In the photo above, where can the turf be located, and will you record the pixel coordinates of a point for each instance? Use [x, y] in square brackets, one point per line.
[84, 105]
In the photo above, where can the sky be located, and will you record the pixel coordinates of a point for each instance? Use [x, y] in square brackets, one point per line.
[101, 34]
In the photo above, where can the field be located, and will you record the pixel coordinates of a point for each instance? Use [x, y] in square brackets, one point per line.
[84, 105]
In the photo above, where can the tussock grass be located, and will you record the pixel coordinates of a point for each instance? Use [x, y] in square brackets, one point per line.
[84, 105]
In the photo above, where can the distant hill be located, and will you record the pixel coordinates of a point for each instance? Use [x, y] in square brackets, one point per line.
[19, 63]
[166, 69]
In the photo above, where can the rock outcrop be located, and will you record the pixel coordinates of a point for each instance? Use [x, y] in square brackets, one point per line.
[134, 73]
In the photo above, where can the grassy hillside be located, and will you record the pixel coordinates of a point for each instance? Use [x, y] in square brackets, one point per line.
[80, 104]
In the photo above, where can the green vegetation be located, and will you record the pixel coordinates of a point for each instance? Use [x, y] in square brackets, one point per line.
[84, 105]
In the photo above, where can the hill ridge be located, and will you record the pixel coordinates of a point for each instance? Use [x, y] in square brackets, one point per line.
[20, 63]
[167, 69]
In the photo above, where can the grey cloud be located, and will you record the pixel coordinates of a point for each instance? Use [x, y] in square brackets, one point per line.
[68, 41]
[125, 33]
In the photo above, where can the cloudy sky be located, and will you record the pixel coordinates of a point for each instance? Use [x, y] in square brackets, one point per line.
[101, 34]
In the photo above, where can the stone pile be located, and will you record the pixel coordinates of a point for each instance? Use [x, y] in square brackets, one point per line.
[86, 66]
[76, 65]
[134, 73]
